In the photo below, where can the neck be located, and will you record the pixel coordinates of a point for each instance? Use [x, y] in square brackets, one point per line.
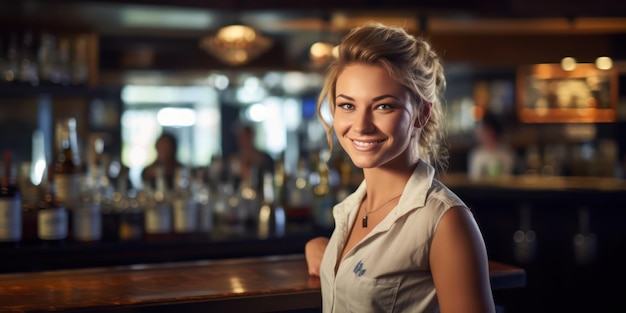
[385, 183]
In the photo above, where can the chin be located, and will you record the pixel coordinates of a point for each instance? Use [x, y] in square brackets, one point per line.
[365, 162]
[387, 161]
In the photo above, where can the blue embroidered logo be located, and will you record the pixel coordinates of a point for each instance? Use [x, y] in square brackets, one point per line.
[358, 269]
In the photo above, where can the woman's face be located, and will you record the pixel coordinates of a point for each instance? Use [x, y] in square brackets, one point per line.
[374, 118]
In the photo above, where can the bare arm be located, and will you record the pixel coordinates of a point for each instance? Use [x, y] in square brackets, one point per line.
[459, 264]
[314, 251]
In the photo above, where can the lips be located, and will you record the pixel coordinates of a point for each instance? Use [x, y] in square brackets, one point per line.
[366, 145]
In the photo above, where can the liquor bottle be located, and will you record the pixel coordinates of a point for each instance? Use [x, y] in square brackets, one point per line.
[299, 199]
[3, 61]
[158, 213]
[10, 206]
[79, 65]
[184, 209]
[47, 58]
[87, 215]
[64, 66]
[345, 178]
[249, 198]
[87, 218]
[226, 207]
[271, 220]
[28, 72]
[12, 65]
[126, 207]
[52, 217]
[106, 195]
[202, 195]
[131, 217]
[323, 199]
[110, 193]
[32, 183]
[280, 181]
[67, 166]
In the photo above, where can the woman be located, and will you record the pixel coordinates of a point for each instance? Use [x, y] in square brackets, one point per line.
[402, 241]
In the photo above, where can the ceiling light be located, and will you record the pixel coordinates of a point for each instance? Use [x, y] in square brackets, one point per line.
[256, 112]
[320, 53]
[176, 117]
[604, 63]
[568, 63]
[236, 44]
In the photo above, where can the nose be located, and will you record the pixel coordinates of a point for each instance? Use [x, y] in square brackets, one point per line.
[363, 121]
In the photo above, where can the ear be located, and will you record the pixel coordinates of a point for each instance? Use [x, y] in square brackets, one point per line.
[423, 115]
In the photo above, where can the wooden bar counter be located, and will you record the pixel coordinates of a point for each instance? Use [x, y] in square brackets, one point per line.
[262, 284]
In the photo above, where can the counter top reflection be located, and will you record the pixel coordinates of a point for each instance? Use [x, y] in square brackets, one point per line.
[538, 183]
[264, 284]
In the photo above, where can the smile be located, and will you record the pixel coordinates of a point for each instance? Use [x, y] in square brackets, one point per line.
[365, 145]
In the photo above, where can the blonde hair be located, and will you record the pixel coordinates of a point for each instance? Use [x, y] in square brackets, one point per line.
[414, 64]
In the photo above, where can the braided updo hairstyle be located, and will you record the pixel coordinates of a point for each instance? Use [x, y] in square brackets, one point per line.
[413, 63]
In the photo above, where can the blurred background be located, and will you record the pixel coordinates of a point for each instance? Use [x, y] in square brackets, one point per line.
[105, 79]
[123, 62]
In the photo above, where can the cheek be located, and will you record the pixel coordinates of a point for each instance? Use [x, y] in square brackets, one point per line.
[340, 130]
[404, 125]
[405, 131]
[339, 126]
[336, 128]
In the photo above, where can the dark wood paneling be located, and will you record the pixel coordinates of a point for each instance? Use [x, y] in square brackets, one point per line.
[514, 50]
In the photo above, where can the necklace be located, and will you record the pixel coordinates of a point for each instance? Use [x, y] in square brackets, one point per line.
[364, 221]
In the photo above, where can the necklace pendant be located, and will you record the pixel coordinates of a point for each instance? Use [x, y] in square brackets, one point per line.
[364, 221]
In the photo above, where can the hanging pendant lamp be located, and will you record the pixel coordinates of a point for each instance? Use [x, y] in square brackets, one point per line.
[236, 45]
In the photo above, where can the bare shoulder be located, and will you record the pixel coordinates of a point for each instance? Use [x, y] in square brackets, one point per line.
[458, 225]
[458, 215]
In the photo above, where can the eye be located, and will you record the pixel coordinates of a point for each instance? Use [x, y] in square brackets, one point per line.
[345, 106]
[385, 106]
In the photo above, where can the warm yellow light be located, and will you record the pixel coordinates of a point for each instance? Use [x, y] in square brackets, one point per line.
[236, 44]
[320, 53]
[604, 63]
[321, 50]
[568, 63]
[236, 34]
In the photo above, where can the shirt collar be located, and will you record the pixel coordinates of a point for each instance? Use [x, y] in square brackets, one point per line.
[413, 197]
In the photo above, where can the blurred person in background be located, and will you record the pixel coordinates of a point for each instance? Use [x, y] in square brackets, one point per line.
[492, 157]
[167, 147]
[403, 242]
[250, 163]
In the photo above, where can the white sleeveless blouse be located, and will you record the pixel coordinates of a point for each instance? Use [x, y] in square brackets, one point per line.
[389, 270]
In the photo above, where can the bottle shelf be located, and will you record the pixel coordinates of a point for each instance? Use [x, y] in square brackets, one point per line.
[29, 257]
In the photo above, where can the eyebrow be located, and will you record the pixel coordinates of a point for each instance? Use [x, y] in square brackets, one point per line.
[373, 100]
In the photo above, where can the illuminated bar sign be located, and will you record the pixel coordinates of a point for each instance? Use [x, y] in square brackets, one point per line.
[548, 93]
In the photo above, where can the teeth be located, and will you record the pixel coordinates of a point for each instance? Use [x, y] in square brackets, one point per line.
[364, 144]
